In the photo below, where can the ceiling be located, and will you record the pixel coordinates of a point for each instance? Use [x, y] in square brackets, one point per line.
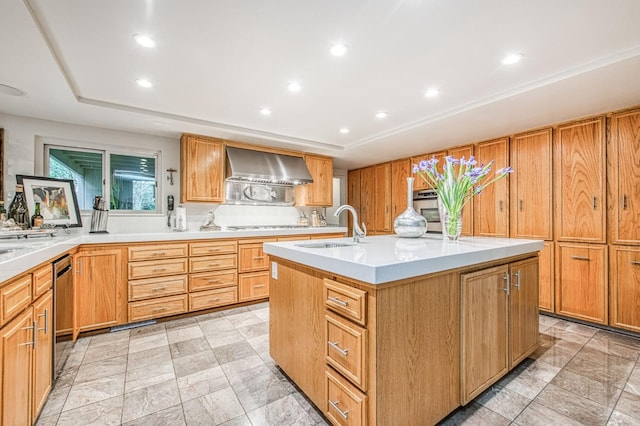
[217, 63]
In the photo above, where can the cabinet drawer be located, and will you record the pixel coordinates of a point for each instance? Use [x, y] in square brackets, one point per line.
[213, 263]
[14, 297]
[157, 287]
[345, 349]
[254, 285]
[252, 258]
[345, 300]
[212, 298]
[212, 248]
[211, 280]
[345, 405]
[42, 281]
[157, 268]
[157, 251]
[156, 308]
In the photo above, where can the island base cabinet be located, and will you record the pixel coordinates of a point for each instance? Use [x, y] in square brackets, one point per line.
[625, 291]
[523, 310]
[547, 278]
[346, 405]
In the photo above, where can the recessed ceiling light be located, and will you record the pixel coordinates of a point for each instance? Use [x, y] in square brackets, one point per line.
[338, 49]
[512, 58]
[143, 82]
[344, 130]
[10, 90]
[430, 93]
[144, 40]
[294, 86]
[381, 114]
[265, 111]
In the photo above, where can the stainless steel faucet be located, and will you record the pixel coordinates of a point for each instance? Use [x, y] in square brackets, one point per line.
[357, 231]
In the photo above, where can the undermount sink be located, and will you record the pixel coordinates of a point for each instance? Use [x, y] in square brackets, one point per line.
[8, 250]
[328, 244]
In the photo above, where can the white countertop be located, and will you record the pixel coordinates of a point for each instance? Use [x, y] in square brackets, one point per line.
[382, 259]
[31, 252]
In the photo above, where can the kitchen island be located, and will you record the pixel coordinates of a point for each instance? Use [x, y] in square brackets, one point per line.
[396, 331]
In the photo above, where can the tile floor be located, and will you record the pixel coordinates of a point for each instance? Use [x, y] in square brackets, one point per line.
[215, 369]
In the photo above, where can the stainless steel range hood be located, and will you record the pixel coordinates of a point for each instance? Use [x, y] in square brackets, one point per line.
[246, 165]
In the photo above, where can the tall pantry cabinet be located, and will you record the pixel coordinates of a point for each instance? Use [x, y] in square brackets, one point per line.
[580, 217]
[491, 208]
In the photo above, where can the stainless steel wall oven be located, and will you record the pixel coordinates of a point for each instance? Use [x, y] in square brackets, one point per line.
[425, 202]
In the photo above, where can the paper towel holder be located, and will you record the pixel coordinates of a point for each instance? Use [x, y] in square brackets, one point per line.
[181, 219]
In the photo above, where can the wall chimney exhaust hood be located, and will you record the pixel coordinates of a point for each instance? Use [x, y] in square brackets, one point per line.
[247, 165]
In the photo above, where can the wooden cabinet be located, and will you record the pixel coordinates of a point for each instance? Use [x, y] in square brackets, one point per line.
[400, 171]
[625, 292]
[547, 277]
[354, 196]
[581, 286]
[320, 192]
[499, 323]
[491, 207]
[465, 151]
[623, 176]
[346, 405]
[531, 185]
[99, 288]
[14, 297]
[580, 184]
[42, 280]
[43, 351]
[383, 222]
[213, 274]
[367, 197]
[202, 169]
[253, 270]
[440, 156]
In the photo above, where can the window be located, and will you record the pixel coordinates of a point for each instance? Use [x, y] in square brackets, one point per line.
[131, 183]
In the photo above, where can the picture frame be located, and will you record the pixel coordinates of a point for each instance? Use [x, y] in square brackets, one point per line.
[57, 198]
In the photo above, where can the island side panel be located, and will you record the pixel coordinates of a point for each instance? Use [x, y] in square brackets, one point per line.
[418, 350]
[296, 326]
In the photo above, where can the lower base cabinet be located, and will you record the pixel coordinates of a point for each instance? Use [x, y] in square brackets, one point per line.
[547, 277]
[625, 291]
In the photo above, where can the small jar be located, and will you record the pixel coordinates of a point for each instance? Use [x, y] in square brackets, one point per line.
[315, 218]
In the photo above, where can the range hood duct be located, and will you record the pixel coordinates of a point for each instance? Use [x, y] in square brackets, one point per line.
[247, 165]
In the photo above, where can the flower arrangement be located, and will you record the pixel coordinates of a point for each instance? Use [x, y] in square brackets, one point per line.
[459, 181]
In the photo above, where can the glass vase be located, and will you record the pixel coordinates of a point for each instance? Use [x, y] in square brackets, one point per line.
[451, 224]
[410, 224]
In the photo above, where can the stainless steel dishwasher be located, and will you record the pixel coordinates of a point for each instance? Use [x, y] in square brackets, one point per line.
[63, 319]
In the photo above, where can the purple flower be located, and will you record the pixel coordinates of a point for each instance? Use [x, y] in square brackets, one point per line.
[415, 168]
[451, 160]
[472, 161]
[504, 171]
[424, 165]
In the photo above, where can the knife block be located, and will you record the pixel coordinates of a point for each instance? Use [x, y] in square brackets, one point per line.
[99, 220]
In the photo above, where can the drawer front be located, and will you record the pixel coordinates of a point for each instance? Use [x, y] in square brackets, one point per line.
[345, 300]
[253, 285]
[156, 308]
[211, 280]
[157, 287]
[252, 258]
[293, 238]
[212, 298]
[345, 405]
[42, 281]
[213, 263]
[345, 349]
[157, 268]
[14, 297]
[213, 248]
[157, 251]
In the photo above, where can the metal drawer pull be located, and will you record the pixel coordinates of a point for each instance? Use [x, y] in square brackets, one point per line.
[500, 204]
[158, 288]
[593, 202]
[580, 258]
[258, 286]
[159, 270]
[46, 321]
[335, 346]
[343, 414]
[507, 283]
[624, 201]
[214, 249]
[159, 253]
[34, 342]
[338, 301]
[213, 281]
[258, 257]
[214, 264]
[635, 262]
[213, 300]
[517, 285]
[520, 205]
[158, 310]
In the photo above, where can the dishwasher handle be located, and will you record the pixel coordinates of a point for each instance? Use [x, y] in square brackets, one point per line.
[62, 266]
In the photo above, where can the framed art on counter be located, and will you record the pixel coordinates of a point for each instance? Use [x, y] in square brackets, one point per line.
[57, 198]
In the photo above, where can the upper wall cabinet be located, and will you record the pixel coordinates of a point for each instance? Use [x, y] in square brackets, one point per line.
[202, 165]
[382, 187]
[580, 183]
[419, 182]
[400, 171]
[531, 160]
[465, 151]
[320, 192]
[624, 177]
[491, 208]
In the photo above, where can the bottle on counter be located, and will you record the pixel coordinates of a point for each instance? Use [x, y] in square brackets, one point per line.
[315, 217]
[18, 208]
[37, 220]
[3, 212]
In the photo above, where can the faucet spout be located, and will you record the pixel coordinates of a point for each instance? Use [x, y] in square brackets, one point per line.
[357, 231]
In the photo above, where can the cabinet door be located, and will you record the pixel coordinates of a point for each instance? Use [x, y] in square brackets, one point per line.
[523, 310]
[202, 163]
[484, 354]
[320, 192]
[581, 287]
[491, 208]
[579, 170]
[43, 354]
[367, 200]
[100, 294]
[353, 179]
[625, 292]
[467, 211]
[383, 197]
[440, 156]
[531, 185]
[547, 277]
[400, 171]
[624, 176]
[17, 357]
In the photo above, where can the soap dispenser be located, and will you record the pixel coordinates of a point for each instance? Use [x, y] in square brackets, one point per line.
[315, 217]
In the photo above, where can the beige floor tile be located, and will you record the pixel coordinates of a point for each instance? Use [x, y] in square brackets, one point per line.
[504, 401]
[152, 399]
[172, 416]
[539, 415]
[573, 405]
[202, 383]
[620, 419]
[629, 404]
[284, 411]
[214, 408]
[151, 341]
[103, 413]
[94, 391]
[180, 334]
[148, 376]
[89, 371]
[475, 414]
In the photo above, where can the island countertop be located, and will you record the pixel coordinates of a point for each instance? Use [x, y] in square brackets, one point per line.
[382, 259]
